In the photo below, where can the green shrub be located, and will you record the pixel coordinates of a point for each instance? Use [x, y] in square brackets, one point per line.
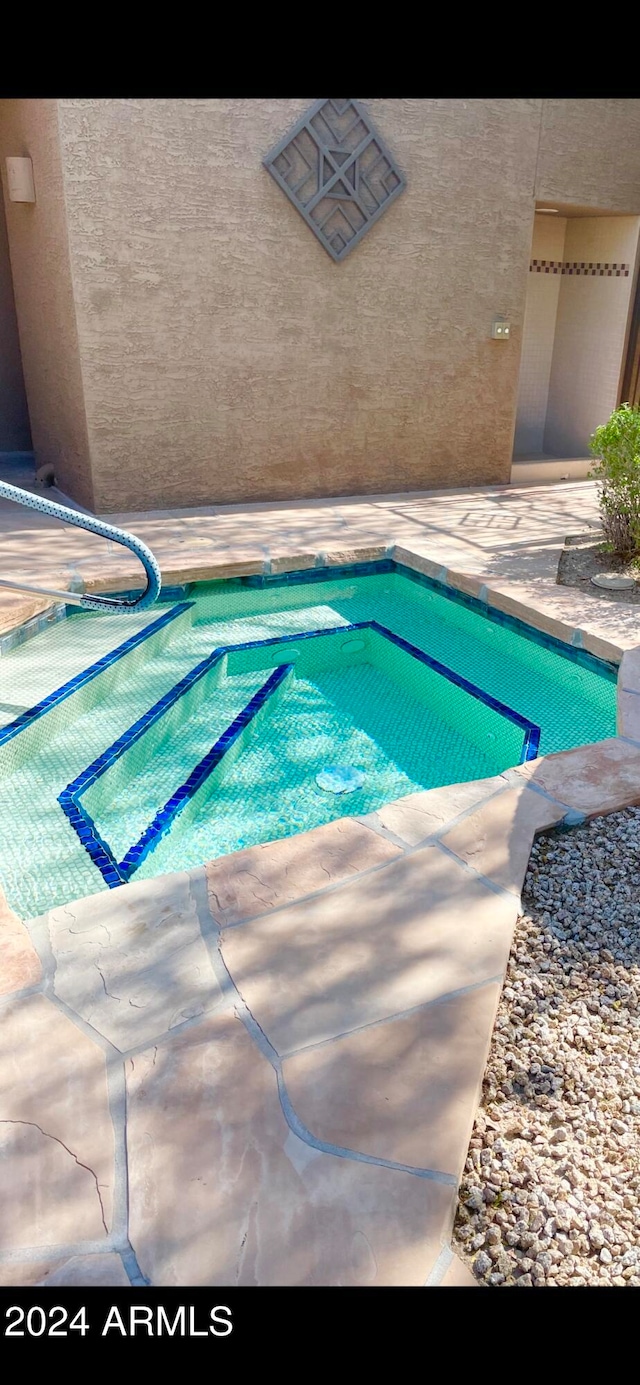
[616, 444]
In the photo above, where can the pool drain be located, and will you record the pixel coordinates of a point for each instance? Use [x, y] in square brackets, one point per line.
[340, 779]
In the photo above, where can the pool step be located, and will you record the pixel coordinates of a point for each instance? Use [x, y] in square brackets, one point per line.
[127, 798]
[10, 710]
[63, 650]
[118, 669]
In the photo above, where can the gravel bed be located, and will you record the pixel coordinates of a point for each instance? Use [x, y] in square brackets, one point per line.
[550, 1194]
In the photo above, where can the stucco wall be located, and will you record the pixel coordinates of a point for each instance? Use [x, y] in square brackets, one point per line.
[221, 355]
[590, 154]
[226, 357]
[543, 291]
[15, 434]
[44, 298]
[590, 332]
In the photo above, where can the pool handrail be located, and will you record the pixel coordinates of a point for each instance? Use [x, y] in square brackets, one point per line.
[93, 526]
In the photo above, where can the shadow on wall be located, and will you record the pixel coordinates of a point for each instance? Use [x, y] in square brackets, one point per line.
[577, 308]
[15, 430]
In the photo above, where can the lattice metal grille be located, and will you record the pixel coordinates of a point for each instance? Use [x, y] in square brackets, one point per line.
[338, 173]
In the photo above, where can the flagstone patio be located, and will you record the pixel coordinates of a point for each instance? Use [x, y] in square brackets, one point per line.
[266, 1070]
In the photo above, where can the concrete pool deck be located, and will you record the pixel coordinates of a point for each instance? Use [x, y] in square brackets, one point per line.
[266, 1070]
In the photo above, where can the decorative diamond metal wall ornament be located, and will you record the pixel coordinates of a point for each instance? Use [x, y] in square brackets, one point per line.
[338, 173]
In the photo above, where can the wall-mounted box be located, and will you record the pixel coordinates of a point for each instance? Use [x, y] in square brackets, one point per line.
[20, 180]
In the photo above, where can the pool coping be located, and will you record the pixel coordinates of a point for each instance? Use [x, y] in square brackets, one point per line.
[478, 834]
[537, 616]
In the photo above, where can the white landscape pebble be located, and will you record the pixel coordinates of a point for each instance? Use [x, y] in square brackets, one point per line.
[551, 1188]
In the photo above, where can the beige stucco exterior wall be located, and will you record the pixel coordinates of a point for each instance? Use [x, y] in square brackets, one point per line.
[211, 351]
[15, 434]
[590, 154]
[44, 297]
[589, 336]
[541, 308]
[226, 357]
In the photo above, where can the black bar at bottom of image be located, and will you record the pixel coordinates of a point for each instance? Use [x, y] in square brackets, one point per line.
[240, 1319]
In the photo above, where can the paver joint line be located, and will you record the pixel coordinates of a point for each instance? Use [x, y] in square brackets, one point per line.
[537, 788]
[110, 1051]
[31, 1254]
[485, 879]
[372, 821]
[432, 839]
[340, 1152]
[263, 1043]
[11, 996]
[132, 1268]
[313, 894]
[439, 1268]
[397, 1015]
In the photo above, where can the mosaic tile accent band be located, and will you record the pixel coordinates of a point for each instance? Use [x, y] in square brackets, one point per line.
[607, 270]
[163, 819]
[545, 267]
[531, 742]
[588, 268]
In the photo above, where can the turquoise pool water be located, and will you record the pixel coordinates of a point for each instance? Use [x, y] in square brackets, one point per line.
[153, 763]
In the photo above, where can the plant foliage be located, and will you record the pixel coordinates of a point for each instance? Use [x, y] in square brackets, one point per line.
[616, 444]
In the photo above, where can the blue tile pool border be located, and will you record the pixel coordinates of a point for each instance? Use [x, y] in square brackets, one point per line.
[381, 566]
[532, 732]
[165, 817]
[378, 567]
[86, 675]
[119, 872]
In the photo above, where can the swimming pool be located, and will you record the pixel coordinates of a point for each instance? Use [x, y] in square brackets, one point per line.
[242, 711]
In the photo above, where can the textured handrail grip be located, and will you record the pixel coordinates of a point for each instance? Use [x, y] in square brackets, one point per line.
[104, 531]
